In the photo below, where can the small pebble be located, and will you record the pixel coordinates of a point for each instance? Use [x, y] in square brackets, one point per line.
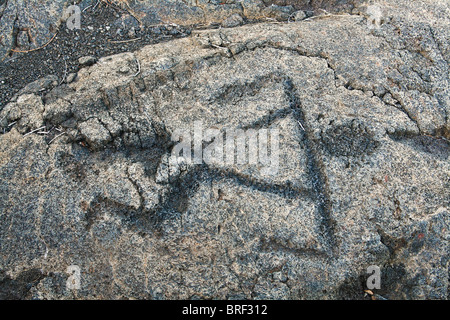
[299, 15]
[87, 61]
[233, 21]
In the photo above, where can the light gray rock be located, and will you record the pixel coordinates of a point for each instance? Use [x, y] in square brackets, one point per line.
[233, 21]
[42, 84]
[362, 175]
[87, 61]
[23, 27]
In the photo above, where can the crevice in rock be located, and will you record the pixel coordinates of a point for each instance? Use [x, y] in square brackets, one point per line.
[438, 45]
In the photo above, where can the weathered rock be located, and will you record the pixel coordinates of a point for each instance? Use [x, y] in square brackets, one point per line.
[39, 85]
[71, 77]
[28, 25]
[361, 178]
[87, 61]
[233, 21]
[299, 15]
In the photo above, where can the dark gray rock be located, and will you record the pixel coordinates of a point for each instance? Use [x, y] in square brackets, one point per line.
[87, 61]
[233, 21]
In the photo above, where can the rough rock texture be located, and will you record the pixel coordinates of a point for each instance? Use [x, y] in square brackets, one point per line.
[31, 24]
[363, 176]
[25, 25]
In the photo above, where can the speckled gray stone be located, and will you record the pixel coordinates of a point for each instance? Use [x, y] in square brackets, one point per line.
[363, 174]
